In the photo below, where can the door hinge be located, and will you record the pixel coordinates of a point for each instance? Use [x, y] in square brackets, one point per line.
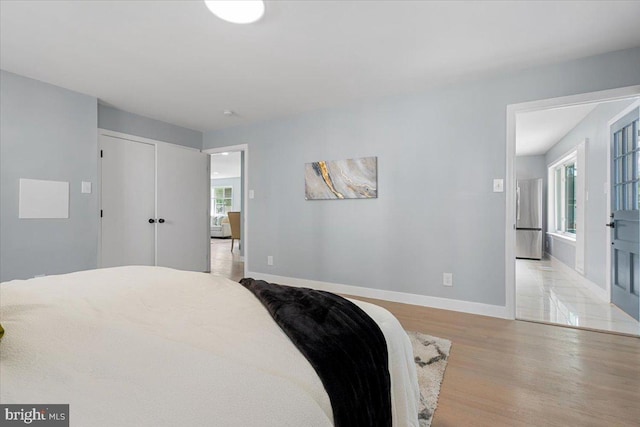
[100, 213]
[101, 154]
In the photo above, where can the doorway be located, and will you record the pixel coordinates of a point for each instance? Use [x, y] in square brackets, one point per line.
[570, 283]
[229, 173]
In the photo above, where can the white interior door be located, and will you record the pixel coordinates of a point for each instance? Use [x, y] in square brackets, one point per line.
[183, 208]
[127, 202]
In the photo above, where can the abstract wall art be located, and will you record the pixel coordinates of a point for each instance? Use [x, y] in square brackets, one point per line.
[341, 179]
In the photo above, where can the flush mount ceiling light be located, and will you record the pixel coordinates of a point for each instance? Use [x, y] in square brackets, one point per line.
[237, 11]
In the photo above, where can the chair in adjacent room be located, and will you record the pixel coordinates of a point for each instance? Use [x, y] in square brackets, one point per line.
[234, 221]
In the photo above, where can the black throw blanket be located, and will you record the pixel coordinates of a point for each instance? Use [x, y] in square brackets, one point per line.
[343, 344]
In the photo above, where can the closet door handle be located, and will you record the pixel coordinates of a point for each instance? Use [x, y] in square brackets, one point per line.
[161, 220]
[151, 220]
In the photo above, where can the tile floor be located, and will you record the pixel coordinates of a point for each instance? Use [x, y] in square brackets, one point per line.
[549, 291]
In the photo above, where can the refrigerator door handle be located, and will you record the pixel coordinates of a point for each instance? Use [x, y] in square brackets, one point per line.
[518, 204]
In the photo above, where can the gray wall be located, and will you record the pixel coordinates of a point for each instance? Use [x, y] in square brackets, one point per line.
[133, 124]
[529, 167]
[563, 250]
[49, 133]
[438, 153]
[593, 127]
[532, 167]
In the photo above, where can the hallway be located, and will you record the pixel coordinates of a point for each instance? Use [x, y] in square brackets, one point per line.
[548, 291]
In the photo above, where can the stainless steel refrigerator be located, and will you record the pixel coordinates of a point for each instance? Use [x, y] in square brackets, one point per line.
[529, 218]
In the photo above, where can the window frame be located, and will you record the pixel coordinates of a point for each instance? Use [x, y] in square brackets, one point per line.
[214, 199]
[558, 217]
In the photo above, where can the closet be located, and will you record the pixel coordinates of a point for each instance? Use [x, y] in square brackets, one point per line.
[154, 203]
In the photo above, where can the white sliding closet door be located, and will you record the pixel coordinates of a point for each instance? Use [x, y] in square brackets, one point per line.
[128, 189]
[183, 203]
[155, 204]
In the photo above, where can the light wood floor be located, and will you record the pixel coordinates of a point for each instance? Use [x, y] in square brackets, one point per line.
[225, 263]
[515, 373]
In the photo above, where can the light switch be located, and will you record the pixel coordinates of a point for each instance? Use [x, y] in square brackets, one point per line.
[86, 187]
[251, 194]
[498, 185]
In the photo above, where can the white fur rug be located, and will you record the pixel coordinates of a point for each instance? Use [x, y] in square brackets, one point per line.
[430, 354]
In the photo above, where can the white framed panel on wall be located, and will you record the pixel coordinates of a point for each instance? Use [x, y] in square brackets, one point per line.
[43, 199]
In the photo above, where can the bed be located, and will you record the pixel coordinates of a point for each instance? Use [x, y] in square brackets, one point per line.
[152, 346]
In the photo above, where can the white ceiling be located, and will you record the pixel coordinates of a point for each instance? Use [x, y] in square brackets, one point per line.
[225, 165]
[174, 61]
[538, 131]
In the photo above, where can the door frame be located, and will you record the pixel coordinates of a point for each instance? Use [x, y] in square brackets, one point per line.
[609, 230]
[245, 195]
[510, 172]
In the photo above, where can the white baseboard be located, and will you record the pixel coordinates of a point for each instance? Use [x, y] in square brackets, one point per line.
[596, 290]
[402, 297]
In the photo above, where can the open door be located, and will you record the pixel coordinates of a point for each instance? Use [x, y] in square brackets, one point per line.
[625, 215]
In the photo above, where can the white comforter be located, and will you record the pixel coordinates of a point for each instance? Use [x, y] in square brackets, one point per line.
[151, 346]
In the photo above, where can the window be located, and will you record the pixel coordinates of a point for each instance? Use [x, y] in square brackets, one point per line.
[567, 193]
[222, 200]
[626, 162]
[564, 206]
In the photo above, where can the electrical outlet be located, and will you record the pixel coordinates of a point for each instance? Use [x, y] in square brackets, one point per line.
[270, 260]
[447, 279]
